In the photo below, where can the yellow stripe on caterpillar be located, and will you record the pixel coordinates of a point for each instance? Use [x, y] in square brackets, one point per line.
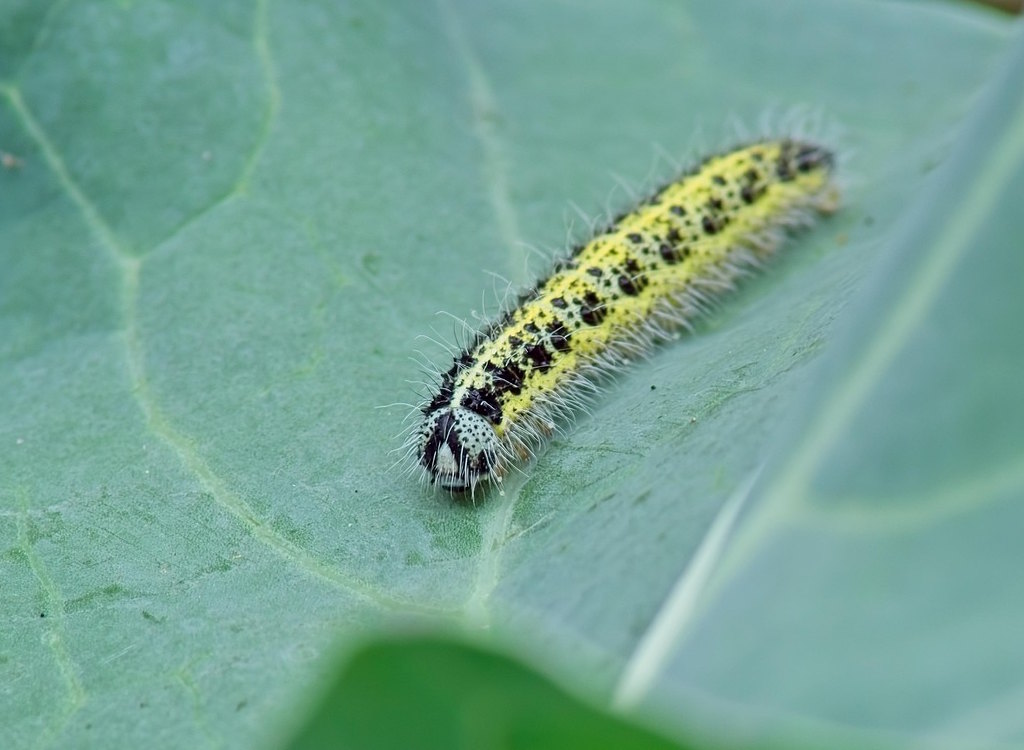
[649, 273]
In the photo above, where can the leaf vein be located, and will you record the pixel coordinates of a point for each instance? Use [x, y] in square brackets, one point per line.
[264, 54]
[56, 636]
[494, 538]
[130, 266]
[40, 34]
[665, 632]
[485, 109]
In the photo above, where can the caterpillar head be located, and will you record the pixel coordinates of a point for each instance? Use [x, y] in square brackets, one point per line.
[458, 448]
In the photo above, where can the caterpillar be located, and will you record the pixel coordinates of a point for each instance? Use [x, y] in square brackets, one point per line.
[650, 272]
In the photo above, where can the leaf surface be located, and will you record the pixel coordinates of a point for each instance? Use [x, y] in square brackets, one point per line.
[223, 227]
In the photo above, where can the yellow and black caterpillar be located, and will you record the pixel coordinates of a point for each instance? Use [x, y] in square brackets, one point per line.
[651, 271]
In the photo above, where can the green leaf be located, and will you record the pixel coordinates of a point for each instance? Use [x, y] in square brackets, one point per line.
[429, 692]
[224, 225]
[868, 580]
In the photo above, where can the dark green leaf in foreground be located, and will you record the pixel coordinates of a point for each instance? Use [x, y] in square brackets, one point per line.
[429, 693]
[223, 226]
